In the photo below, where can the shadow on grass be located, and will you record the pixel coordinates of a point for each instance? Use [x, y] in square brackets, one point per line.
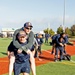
[3, 53]
[46, 58]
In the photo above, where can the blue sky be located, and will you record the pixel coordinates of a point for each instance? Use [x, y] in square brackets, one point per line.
[41, 13]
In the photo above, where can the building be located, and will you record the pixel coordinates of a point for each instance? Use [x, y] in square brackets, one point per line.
[8, 32]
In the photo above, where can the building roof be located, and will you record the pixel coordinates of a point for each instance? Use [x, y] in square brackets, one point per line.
[8, 29]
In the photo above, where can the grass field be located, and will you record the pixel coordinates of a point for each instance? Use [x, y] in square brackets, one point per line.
[4, 42]
[51, 68]
[58, 68]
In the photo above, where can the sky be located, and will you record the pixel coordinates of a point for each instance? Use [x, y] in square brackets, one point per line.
[41, 13]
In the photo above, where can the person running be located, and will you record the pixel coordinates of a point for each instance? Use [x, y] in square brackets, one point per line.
[30, 37]
[21, 64]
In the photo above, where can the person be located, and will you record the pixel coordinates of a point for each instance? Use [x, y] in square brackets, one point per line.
[27, 28]
[59, 47]
[39, 41]
[46, 37]
[65, 37]
[54, 42]
[30, 37]
[34, 47]
[21, 63]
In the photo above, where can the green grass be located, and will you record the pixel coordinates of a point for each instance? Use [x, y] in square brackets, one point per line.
[4, 42]
[56, 69]
[46, 46]
[51, 68]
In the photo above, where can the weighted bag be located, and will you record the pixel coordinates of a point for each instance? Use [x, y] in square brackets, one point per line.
[67, 57]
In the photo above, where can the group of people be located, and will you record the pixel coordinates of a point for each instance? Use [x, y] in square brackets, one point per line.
[23, 48]
[59, 42]
[21, 51]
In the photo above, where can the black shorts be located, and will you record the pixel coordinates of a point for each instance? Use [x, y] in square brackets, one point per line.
[33, 47]
[22, 67]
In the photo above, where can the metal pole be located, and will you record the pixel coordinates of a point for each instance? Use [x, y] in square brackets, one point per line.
[64, 18]
[48, 27]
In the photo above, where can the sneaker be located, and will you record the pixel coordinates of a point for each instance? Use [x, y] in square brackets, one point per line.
[55, 60]
[60, 60]
[52, 52]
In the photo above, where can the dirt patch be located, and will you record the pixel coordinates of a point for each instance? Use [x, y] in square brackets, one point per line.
[46, 57]
[3, 65]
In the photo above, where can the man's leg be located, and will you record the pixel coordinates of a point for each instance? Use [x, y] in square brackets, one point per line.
[17, 68]
[32, 61]
[36, 54]
[39, 48]
[56, 55]
[33, 67]
[47, 40]
[11, 62]
[64, 50]
[25, 73]
[53, 47]
[61, 53]
[26, 68]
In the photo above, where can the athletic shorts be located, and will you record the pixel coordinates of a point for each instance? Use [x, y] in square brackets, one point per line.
[22, 67]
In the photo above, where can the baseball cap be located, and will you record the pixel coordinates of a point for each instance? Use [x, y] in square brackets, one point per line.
[22, 34]
[27, 24]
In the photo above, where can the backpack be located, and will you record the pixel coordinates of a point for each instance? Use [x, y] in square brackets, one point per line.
[67, 57]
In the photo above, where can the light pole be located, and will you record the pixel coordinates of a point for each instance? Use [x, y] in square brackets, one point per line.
[64, 17]
[48, 27]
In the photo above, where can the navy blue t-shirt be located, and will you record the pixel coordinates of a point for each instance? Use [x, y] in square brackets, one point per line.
[20, 57]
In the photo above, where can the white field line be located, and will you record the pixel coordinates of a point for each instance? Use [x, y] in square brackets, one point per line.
[72, 61]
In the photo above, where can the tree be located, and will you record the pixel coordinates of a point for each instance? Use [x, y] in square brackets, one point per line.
[60, 30]
[73, 30]
[46, 30]
[49, 31]
[68, 31]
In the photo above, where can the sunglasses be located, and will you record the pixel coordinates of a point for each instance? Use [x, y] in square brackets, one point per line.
[28, 28]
